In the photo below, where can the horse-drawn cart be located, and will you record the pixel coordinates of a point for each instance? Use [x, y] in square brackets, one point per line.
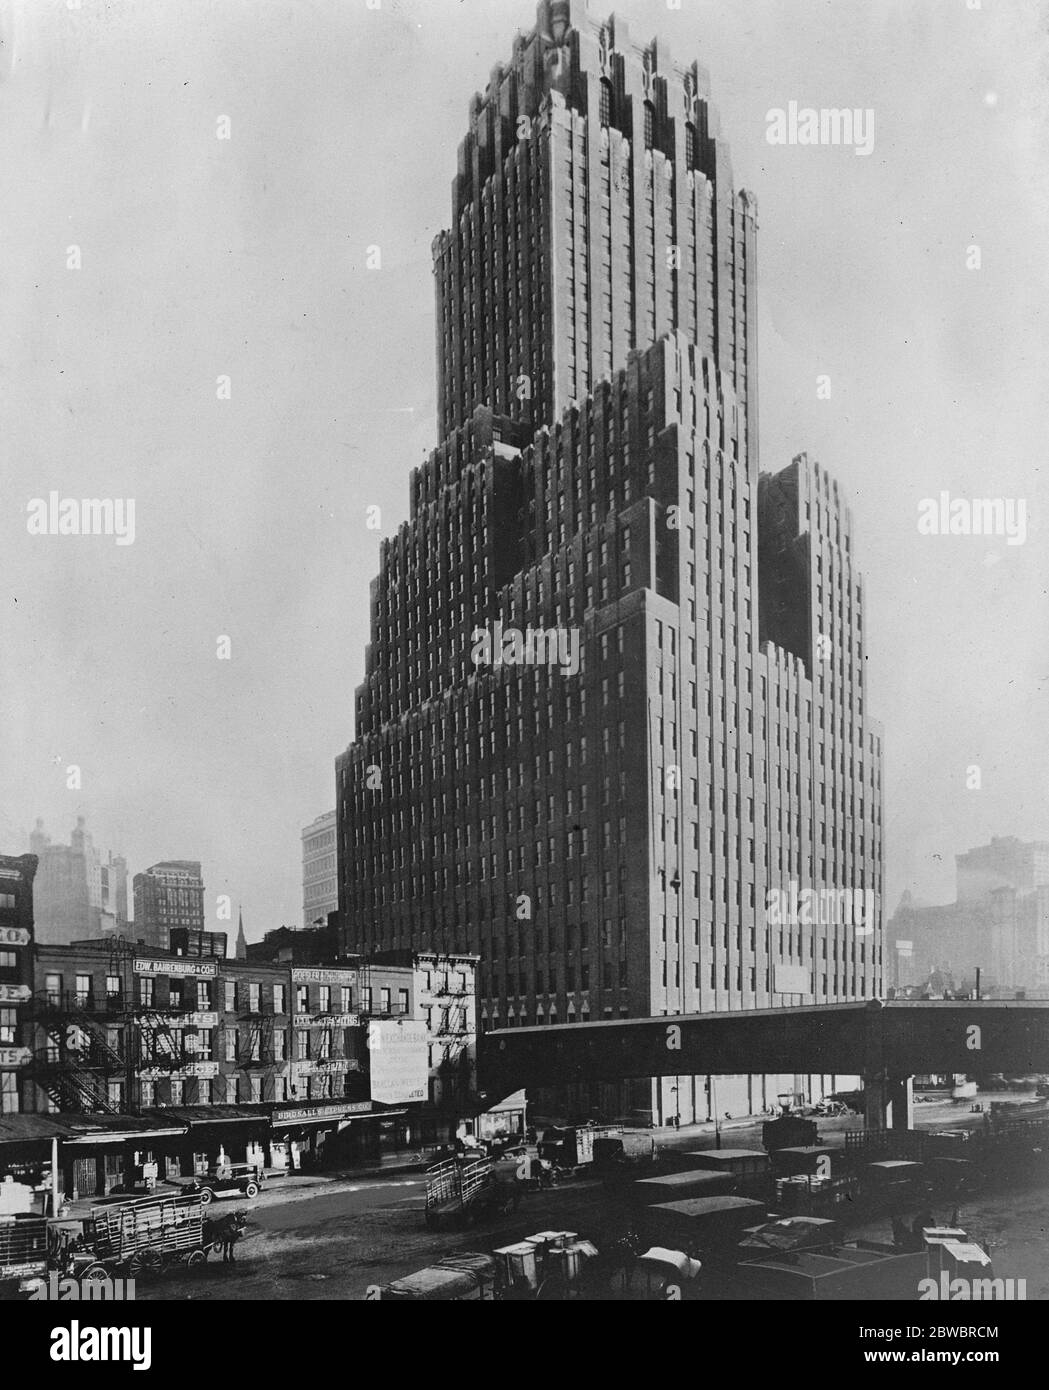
[468, 1190]
[140, 1237]
[23, 1253]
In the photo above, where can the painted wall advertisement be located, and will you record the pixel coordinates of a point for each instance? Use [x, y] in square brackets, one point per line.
[399, 1060]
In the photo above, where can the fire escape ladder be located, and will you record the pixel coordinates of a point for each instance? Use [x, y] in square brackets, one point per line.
[158, 1045]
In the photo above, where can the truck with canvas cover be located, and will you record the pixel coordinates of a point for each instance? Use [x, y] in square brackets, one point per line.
[463, 1278]
[704, 1228]
[675, 1187]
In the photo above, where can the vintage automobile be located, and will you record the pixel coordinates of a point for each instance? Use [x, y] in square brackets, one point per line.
[234, 1180]
[659, 1275]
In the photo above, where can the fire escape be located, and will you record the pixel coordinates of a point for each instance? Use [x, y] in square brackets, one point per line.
[255, 1050]
[87, 1042]
[454, 1068]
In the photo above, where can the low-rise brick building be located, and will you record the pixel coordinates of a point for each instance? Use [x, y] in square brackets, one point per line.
[16, 975]
[263, 1060]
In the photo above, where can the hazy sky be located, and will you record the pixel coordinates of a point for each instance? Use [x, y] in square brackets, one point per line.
[245, 258]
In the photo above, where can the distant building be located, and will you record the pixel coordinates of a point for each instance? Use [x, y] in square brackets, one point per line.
[113, 893]
[1005, 863]
[209, 945]
[76, 895]
[320, 886]
[168, 895]
[999, 923]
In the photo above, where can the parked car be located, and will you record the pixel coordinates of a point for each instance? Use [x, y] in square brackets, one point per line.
[855, 1100]
[238, 1180]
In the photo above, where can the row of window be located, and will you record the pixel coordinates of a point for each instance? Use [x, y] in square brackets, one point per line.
[201, 995]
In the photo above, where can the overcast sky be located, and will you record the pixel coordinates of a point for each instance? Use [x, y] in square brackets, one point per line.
[245, 258]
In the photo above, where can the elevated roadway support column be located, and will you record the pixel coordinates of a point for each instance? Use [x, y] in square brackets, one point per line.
[890, 1102]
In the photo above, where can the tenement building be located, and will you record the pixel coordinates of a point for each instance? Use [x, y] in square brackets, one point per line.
[612, 735]
[16, 976]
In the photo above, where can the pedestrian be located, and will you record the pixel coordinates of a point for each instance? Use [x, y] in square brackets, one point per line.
[923, 1220]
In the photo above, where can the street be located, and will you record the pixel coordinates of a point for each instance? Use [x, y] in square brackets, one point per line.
[329, 1245]
[334, 1241]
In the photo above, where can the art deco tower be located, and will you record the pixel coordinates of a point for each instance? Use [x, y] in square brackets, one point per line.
[606, 839]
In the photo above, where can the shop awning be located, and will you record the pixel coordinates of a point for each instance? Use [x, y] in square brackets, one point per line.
[86, 1130]
[199, 1116]
[31, 1129]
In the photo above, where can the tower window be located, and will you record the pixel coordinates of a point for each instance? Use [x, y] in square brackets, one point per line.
[606, 102]
[650, 124]
[690, 145]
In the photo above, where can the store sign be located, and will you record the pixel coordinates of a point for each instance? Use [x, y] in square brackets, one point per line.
[11, 1057]
[204, 1070]
[14, 936]
[184, 1020]
[399, 1060]
[327, 1020]
[322, 1065]
[176, 967]
[323, 977]
[205, 969]
[322, 1112]
[14, 994]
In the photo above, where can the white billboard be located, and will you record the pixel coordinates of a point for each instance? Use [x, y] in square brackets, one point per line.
[399, 1060]
[791, 979]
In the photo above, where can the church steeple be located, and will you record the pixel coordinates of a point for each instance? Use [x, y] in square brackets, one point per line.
[242, 945]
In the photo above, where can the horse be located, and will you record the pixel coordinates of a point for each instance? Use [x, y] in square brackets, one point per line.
[223, 1232]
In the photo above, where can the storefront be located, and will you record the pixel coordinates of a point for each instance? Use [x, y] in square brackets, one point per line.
[306, 1136]
[210, 1134]
[100, 1154]
[29, 1162]
[503, 1121]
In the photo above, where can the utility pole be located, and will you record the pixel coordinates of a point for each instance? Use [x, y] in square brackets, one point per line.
[714, 1105]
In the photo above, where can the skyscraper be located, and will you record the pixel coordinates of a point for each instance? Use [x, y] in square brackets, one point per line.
[77, 894]
[613, 703]
[320, 893]
[167, 895]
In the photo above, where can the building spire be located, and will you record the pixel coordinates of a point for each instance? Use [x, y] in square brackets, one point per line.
[242, 945]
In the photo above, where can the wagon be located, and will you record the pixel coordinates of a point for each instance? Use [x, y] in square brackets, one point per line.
[23, 1253]
[459, 1278]
[140, 1237]
[471, 1189]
